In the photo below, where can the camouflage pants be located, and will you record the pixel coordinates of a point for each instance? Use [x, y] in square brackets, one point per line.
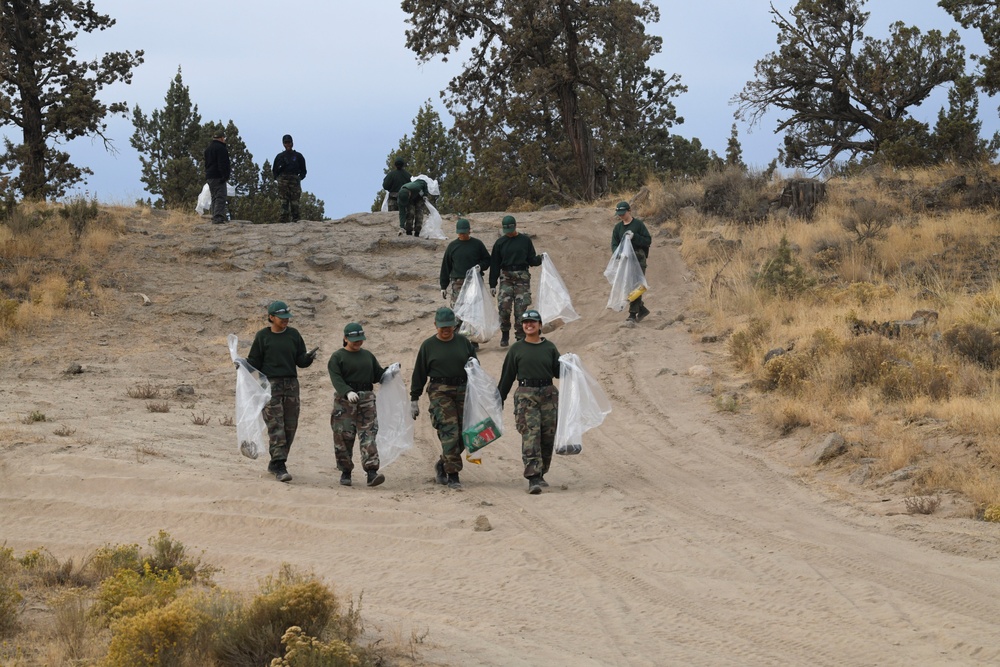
[635, 306]
[289, 191]
[393, 201]
[536, 411]
[446, 410]
[513, 295]
[411, 212]
[456, 287]
[355, 419]
[281, 415]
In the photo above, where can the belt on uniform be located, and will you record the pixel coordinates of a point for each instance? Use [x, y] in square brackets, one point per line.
[515, 267]
[363, 386]
[454, 382]
[535, 383]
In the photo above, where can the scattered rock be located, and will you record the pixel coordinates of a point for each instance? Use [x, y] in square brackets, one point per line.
[482, 524]
[710, 338]
[184, 390]
[832, 446]
[772, 353]
[900, 475]
[73, 369]
[699, 371]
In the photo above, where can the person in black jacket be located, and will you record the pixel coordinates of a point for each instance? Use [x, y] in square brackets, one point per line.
[394, 180]
[289, 170]
[217, 173]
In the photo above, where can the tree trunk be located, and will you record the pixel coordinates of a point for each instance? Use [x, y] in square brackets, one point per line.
[22, 36]
[578, 134]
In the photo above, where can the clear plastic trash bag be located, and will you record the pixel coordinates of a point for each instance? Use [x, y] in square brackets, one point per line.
[204, 201]
[554, 303]
[583, 405]
[482, 418]
[479, 315]
[252, 394]
[625, 275]
[385, 202]
[431, 229]
[395, 426]
[432, 186]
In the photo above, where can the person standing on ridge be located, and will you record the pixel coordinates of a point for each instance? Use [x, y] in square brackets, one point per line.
[636, 230]
[393, 181]
[217, 173]
[512, 254]
[276, 351]
[289, 170]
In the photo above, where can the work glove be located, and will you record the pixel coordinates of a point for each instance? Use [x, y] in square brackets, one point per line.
[493, 291]
[352, 397]
[628, 235]
[393, 369]
[312, 353]
[414, 409]
[444, 294]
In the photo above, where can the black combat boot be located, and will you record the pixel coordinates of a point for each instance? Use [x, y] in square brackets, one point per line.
[440, 476]
[505, 339]
[375, 477]
[534, 487]
[345, 478]
[453, 482]
[641, 315]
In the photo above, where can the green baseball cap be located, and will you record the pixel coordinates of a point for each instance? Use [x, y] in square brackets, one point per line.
[622, 207]
[445, 317]
[353, 331]
[463, 226]
[279, 309]
[509, 223]
[531, 315]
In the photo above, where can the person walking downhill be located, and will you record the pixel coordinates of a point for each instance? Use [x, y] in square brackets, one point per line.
[512, 254]
[636, 230]
[276, 351]
[289, 171]
[533, 363]
[393, 181]
[461, 255]
[354, 372]
[440, 365]
[217, 172]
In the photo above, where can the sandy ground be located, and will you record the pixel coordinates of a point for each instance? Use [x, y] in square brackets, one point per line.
[681, 534]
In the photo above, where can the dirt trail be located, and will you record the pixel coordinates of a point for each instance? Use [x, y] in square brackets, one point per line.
[679, 536]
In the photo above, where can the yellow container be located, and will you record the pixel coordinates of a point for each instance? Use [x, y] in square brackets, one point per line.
[636, 293]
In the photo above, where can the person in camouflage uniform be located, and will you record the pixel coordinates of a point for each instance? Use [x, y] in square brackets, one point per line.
[512, 254]
[440, 365]
[461, 255]
[289, 170]
[635, 229]
[533, 363]
[276, 351]
[411, 206]
[354, 372]
[393, 181]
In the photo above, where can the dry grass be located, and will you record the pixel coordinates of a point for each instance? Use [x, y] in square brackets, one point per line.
[143, 390]
[872, 252]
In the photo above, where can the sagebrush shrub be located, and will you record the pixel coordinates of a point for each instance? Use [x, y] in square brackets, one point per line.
[974, 342]
[127, 592]
[302, 650]
[745, 344]
[161, 637]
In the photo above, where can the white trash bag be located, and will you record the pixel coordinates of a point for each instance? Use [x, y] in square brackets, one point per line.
[554, 304]
[432, 186]
[204, 201]
[392, 408]
[482, 418]
[431, 228]
[385, 202]
[479, 315]
[583, 405]
[625, 275]
[252, 394]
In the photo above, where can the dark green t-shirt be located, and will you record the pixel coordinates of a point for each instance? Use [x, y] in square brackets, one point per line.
[439, 359]
[353, 368]
[528, 361]
[512, 251]
[460, 256]
[276, 355]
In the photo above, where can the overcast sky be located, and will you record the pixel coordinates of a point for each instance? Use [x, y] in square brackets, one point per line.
[337, 76]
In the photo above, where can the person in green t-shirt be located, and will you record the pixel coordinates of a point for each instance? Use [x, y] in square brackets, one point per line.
[635, 229]
[512, 254]
[533, 363]
[461, 255]
[354, 372]
[276, 351]
[440, 365]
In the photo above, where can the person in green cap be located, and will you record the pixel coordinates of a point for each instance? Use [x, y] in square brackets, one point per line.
[461, 255]
[354, 372]
[635, 229]
[533, 363]
[512, 254]
[440, 365]
[277, 350]
[411, 206]
[394, 180]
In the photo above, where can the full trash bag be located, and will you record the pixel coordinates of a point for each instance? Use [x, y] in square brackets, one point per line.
[395, 426]
[482, 418]
[479, 315]
[583, 405]
[385, 202]
[204, 201]
[431, 229]
[554, 303]
[625, 275]
[432, 186]
[252, 394]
